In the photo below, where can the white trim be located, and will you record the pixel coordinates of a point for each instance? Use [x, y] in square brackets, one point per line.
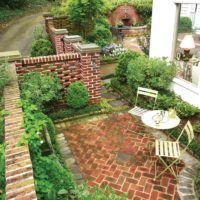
[186, 85]
[187, 1]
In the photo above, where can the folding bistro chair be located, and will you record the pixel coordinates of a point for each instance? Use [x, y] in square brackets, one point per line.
[138, 111]
[165, 150]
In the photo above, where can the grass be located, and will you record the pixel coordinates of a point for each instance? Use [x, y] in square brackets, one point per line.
[7, 14]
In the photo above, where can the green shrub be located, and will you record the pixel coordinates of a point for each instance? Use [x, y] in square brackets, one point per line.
[15, 3]
[41, 47]
[40, 33]
[150, 73]
[124, 59]
[2, 171]
[185, 25]
[185, 109]
[108, 59]
[4, 75]
[77, 95]
[102, 21]
[197, 179]
[40, 90]
[51, 178]
[101, 36]
[196, 127]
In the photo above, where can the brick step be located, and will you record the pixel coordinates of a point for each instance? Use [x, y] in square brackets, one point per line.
[16, 166]
[22, 192]
[17, 160]
[15, 153]
[19, 184]
[17, 149]
[18, 170]
[18, 177]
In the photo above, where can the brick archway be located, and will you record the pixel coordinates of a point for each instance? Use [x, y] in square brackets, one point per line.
[124, 14]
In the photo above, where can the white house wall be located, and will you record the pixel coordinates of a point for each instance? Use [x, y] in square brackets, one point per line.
[163, 40]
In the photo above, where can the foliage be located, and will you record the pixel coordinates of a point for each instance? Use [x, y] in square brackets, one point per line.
[51, 178]
[197, 179]
[77, 95]
[84, 13]
[14, 3]
[4, 75]
[74, 112]
[41, 47]
[144, 43]
[96, 193]
[196, 127]
[39, 89]
[106, 59]
[124, 59]
[185, 109]
[101, 35]
[150, 73]
[185, 25]
[103, 21]
[2, 171]
[39, 33]
[113, 50]
[143, 7]
[166, 99]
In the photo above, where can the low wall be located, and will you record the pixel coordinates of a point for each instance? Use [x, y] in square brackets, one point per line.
[18, 166]
[69, 68]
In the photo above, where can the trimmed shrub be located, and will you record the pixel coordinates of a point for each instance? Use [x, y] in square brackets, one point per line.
[40, 90]
[150, 73]
[101, 36]
[185, 25]
[77, 95]
[124, 59]
[41, 47]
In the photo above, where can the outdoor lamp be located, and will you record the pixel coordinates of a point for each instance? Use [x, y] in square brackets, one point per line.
[187, 44]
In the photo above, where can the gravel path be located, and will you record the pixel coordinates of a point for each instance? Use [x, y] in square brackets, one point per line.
[20, 35]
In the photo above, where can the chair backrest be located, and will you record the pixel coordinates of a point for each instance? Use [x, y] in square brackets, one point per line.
[146, 92]
[189, 131]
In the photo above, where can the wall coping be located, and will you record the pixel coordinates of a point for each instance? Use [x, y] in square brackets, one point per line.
[87, 48]
[59, 31]
[53, 58]
[72, 38]
[10, 56]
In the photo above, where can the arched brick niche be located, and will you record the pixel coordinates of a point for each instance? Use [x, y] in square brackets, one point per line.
[126, 14]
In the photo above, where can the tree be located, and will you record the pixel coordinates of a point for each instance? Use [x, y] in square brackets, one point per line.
[83, 13]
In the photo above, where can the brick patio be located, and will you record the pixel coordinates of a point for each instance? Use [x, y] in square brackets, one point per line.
[109, 153]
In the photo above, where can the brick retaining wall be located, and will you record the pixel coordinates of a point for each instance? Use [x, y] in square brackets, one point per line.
[18, 166]
[68, 68]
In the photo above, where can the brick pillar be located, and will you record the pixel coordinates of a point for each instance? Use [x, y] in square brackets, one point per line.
[70, 41]
[48, 19]
[57, 36]
[90, 70]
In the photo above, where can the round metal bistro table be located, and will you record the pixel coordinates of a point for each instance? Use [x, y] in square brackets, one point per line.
[167, 122]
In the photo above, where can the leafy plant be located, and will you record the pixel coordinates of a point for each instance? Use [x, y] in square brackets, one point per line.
[39, 33]
[185, 109]
[39, 89]
[77, 95]
[185, 25]
[101, 35]
[4, 75]
[41, 47]
[83, 14]
[150, 73]
[196, 127]
[124, 59]
[197, 179]
[2, 170]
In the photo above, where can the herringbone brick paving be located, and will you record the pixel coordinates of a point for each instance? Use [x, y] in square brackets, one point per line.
[111, 152]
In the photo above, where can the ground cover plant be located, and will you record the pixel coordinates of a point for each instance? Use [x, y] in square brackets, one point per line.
[52, 179]
[16, 8]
